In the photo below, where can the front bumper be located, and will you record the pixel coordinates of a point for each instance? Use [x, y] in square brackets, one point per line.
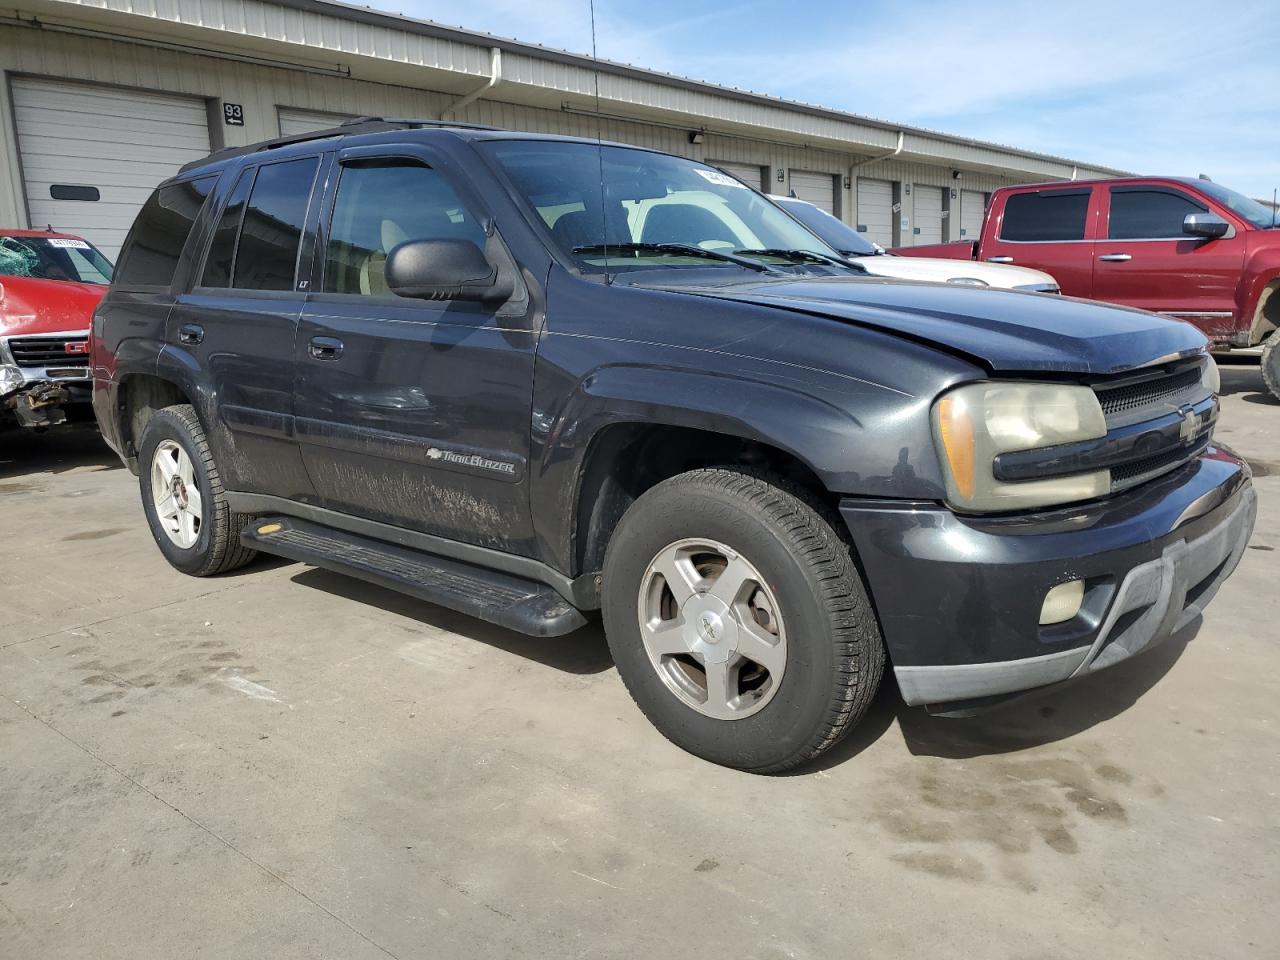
[959, 598]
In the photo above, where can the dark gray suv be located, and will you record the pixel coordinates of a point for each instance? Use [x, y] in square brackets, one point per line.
[528, 377]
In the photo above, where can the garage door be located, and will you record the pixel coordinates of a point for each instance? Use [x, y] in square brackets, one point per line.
[294, 122]
[91, 155]
[973, 205]
[875, 211]
[749, 173]
[818, 188]
[927, 222]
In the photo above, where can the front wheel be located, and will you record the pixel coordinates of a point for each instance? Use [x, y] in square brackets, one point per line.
[1271, 364]
[183, 498]
[738, 620]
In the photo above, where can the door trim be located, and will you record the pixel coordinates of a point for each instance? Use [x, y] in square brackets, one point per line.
[582, 592]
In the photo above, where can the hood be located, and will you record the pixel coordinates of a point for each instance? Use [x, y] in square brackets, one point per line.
[937, 270]
[1006, 331]
[30, 306]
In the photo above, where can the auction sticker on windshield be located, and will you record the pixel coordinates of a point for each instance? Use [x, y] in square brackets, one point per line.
[721, 179]
[65, 243]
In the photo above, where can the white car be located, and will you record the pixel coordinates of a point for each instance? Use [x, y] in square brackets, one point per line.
[849, 243]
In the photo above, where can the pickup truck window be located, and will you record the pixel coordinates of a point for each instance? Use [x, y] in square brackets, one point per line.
[1256, 213]
[370, 217]
[1045, 216]
[150, 255]
[53, 258]
[1150, 214]
[591, 197]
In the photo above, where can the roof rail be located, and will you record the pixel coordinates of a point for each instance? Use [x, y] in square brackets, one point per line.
[345, 128]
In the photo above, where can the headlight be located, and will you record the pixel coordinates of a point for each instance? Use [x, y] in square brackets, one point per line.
[1211, 376]
[974, 423]
[968, 281]
[10, 379]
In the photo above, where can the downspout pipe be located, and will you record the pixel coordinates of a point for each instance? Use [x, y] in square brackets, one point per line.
[495, 78]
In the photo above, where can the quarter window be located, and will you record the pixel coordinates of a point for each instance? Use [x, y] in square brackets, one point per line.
[222, 249]
[150, 256]
[1149, 214]
[381, 204]
[1045, 217]
[266, 257]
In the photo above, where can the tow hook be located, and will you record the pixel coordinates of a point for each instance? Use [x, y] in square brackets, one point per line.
[40, 407]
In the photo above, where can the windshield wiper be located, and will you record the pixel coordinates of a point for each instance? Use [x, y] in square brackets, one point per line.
[685, 249]
[802, 256]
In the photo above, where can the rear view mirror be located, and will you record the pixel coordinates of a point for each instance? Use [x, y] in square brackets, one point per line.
[1205, 225]
[444, 270]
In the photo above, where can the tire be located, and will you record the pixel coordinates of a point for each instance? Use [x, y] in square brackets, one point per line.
[832, 656]
[214, 530]
[1271, 364]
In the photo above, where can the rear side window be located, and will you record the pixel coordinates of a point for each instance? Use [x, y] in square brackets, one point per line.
[222, 249]
[150, 256]
[371, 217]
[266, 256]
[1149, 214]
[1045, 217]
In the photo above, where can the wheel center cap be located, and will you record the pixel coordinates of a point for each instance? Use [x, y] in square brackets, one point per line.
[710, 630]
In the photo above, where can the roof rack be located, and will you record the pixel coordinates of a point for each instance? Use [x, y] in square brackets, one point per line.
[347, 128]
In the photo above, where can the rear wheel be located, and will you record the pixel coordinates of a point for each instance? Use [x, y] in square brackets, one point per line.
[1271, 364]
[738, 620]
[183, 498]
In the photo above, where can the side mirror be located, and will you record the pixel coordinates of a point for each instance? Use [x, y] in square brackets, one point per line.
[1205, 225]
[444, 270]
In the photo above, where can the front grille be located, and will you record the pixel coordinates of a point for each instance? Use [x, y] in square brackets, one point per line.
[1135, 472]
[49, 351]
[1134, 397]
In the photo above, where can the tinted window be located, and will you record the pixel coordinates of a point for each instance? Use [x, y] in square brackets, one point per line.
[1058, 215]
[836, 233]
[151, 253]
[381, 204]
[266, 256]
[1149, 214]
[222, 250]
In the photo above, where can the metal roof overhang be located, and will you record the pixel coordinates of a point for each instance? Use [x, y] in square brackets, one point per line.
[334, 38]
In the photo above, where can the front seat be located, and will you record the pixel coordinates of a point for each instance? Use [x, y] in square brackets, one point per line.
[373, 272]
[685, 223]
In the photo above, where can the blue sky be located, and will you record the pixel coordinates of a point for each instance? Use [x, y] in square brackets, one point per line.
[1157, 87]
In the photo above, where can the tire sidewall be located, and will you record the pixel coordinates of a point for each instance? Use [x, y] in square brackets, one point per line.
[167, 426]
[1271, 364]
[788, 723]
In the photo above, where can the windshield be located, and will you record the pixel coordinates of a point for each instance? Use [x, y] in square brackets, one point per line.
[1258, 214]
[838, 234]
[53, 258]
[651, 205]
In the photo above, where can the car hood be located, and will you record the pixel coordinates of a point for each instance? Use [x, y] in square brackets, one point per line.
[1006, 331]
[31, 306]
[937, 270]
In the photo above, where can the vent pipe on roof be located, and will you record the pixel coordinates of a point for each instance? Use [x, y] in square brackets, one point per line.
[495, 78]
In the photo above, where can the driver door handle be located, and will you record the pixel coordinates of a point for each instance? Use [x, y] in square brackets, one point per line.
[999, 259]
[1116, 257]
[325, 348]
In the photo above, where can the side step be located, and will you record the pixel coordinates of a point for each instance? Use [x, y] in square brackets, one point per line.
[512, 602]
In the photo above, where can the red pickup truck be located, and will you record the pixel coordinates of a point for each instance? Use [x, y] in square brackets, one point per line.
[1188, 248]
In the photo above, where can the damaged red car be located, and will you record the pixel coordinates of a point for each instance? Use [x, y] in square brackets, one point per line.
[49, 285]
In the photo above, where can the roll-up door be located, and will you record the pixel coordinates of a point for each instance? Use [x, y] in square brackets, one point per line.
[973, 205]
[927, 220]
[818, 188]
[875, 211]
[294, 122]
[751, 174]
[91, 155]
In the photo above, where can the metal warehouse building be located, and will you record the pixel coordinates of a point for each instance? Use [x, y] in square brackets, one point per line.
[104, 98]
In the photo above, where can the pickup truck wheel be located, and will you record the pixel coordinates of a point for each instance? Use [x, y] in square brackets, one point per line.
[183, 498]
[738, 621]
[1271, 364]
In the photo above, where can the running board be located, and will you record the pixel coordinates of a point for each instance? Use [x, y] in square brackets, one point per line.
[513, 602]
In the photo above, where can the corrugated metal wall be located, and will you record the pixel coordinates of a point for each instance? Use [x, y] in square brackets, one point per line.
[262, 89]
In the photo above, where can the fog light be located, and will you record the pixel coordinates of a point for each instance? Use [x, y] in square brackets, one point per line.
[1062, 602]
